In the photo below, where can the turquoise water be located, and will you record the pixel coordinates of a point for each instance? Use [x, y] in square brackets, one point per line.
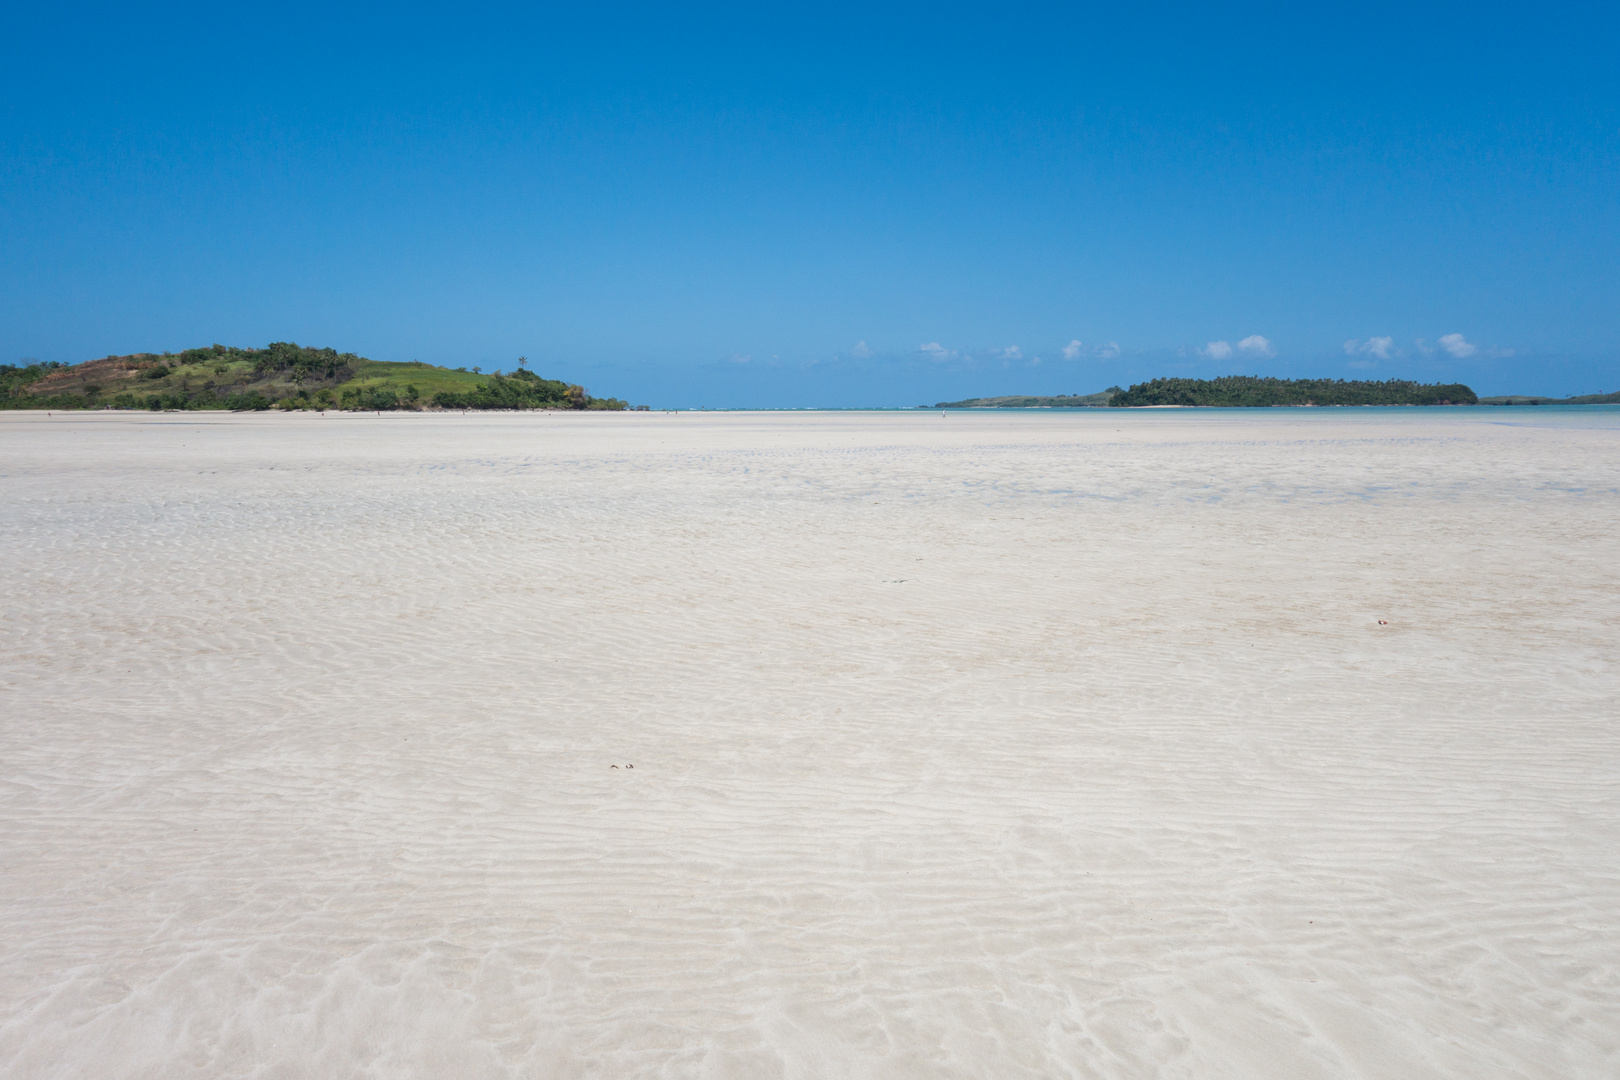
[1490, 413]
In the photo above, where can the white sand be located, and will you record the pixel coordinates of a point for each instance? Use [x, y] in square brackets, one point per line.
[987, 746]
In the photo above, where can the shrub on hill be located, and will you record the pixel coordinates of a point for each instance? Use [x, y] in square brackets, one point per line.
[301, 363]
[14, 378]
[523, 390]
[247, 401]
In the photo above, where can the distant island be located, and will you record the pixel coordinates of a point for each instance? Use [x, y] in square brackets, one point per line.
[1061, 401]
[1532, 399]
[1245, 391]
[1238, 391]
[282, 375]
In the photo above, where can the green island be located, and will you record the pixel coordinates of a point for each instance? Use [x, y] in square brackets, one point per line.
[282, 375]
[1242, 391]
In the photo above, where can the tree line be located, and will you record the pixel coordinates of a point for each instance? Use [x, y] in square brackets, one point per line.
[1240, 391]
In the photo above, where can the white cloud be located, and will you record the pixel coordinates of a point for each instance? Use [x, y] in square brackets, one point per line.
[936, 352]
[1457, 346]
[1255, 345]
[861, 350]
[1381, 347]
[1108, 351]
[740, 358]
[1071, 351]
[1012, 352]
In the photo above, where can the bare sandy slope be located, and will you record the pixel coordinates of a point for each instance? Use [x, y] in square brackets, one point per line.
[979, 746]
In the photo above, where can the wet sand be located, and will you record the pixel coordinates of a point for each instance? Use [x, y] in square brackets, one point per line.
[1173, 744]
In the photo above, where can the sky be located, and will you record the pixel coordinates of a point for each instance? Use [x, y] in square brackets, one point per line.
[822, 205]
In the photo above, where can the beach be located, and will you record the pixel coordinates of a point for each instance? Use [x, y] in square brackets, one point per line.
[1095, 743]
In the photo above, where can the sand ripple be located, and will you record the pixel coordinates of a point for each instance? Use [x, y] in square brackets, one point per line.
[1012, 746]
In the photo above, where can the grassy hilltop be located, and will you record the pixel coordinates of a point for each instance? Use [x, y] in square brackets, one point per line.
[282, 375]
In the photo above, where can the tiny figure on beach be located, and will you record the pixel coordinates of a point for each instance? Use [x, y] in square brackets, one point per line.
[1381, 622]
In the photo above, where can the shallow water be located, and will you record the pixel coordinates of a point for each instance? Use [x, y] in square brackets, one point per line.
[988, 745]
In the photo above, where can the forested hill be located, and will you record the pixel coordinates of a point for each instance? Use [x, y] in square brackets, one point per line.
[1246, 390]
[282, 375]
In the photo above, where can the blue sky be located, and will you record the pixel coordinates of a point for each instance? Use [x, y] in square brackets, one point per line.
[820, 205]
